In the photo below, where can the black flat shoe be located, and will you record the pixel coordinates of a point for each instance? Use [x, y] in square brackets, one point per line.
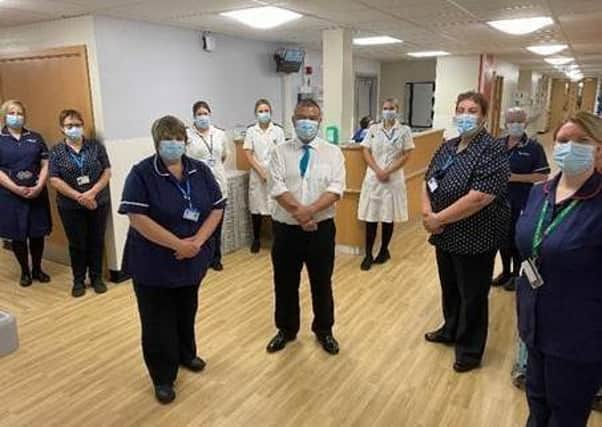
[329, 344]
[501, 280]
[439, 337]
[25, 280]
[278, 342]
[461, 367]
[79, 290]
[255, 246]
[382, 257]
[165, 394]
[367, 263]
[40, 276]
[217, 266]
[510, 286]
[195, 365]
[99, 286]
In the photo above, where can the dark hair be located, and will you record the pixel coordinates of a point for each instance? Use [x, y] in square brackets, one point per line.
[168, 127]
[262, 101]
[70, 113]
[200, 104]
[365, 122]
[477, 98]
[308, 103]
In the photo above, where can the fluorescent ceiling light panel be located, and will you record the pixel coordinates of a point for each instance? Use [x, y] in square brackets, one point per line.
[559, 60]
[549, 49]
[263, 18]
[428, 54]
[372, 41]
[521, 25]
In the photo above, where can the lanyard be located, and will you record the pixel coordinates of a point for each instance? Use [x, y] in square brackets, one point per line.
[185, 192]
[440, 173]
[390, 137]
[78, 160]
[209, 146]
[540, 233]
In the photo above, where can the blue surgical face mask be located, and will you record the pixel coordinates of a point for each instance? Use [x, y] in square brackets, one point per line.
[516, 129]
[306, 130]
[14, 121]
[202, 121]
[74, 133]
[389, 115]
[171, 150]
[466, 123]
[574, 158]
[264, 117]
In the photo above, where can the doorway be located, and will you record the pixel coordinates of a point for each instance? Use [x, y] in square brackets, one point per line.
[495, 115]
[365, 97]
[419, 103]
[47, 82]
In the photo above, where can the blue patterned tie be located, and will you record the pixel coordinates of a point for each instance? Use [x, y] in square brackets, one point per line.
[304, 163]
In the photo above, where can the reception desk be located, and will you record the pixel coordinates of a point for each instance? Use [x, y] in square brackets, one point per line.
[351, 231]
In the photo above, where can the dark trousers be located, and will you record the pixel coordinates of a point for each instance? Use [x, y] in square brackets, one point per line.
[22, 251]
[465, 283]
[291, 249]
[217, 235]
[85, 231]
[560, 392]
[167, 316]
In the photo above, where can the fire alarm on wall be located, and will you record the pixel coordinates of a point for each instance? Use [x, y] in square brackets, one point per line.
[208, 42]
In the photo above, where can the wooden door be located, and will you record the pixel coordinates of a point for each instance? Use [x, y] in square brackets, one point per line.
[588, 95]
[495, 113]
[559, 102]
[47, 82]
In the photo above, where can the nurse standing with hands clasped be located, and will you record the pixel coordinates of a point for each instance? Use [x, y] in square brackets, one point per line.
[260, 140]
[383, 197]
[209, 144]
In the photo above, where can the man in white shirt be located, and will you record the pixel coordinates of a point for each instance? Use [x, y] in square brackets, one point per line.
[307, 178]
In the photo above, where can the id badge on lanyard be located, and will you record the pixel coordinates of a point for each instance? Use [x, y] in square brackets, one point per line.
[212, 161]
[79, 161]
[190, 213]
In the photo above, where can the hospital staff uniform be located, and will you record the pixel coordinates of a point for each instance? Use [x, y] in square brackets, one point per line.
[21, 218]
[85, 228]
[561, 321]
[466, 249]
[167, 288]
[385, 201]
[261, 143]
[211, 149]
[306, 171]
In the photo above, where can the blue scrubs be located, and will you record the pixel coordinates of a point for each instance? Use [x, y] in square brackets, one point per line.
[561, 322]
[151, 190]
[22, 218]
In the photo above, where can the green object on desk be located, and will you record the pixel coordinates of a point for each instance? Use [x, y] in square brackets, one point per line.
[332, 134]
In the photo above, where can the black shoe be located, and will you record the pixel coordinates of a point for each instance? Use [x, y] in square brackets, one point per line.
[367, 263]
[25, 280]
[195, 365]
[382, 257]
[519, 380]
[255, 246]
[597, 405]
[510, 286]
[329, 344]
[501, 280]
[165, 393]
[40, 276]
[278, 342]
[461, 367]
[439, 337]
[217, 266]
[79, 290]
[99, 286]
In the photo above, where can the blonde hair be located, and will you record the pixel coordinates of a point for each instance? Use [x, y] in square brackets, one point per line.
[589, 122]
[6, 105]
[393, 101]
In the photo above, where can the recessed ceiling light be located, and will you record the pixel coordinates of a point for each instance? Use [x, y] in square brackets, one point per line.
[559, 60]
[263, 18]
[521, 25]
[371, 41]
[428, 53]
[547, 49]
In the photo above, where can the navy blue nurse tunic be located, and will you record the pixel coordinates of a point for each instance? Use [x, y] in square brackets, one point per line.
[152, 191]
[21, 218]
[563, 318]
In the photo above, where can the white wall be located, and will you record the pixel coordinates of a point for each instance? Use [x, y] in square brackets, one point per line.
[510, 72]
[454, 74]
[396, 74]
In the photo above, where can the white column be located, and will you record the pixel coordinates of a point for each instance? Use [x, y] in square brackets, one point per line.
[338, 81]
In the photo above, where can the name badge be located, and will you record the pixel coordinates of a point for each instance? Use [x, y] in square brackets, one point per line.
[529, 269]
[191, 215]
[433, 185]
[83, 180]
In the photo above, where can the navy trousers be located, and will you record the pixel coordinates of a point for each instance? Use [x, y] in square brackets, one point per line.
[560, 392]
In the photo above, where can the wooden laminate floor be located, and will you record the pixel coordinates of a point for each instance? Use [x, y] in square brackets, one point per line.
[80, 362]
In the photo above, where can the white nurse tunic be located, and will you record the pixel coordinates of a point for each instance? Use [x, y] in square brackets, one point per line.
[385, 201]
[261, 143]
[211, 150]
